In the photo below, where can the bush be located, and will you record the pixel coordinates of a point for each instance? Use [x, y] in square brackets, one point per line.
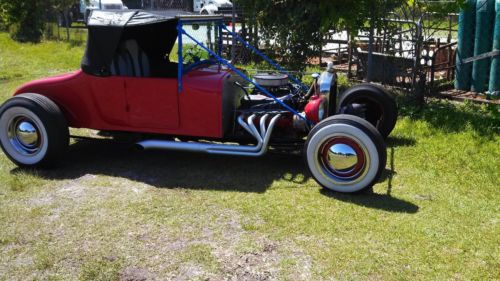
[3, 23]
[25, 19]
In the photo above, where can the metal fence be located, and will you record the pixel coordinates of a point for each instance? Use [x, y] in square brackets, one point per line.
[57, 28]
[417, 55]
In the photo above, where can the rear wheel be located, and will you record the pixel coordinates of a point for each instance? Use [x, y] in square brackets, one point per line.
[372, 103]
[33, 131]
[345, 153]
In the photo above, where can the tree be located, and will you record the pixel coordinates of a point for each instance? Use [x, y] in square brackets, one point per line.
[289, 28]
[63, 7]
[296, 27]
[353, 16]
[25, 19]
[3, 16]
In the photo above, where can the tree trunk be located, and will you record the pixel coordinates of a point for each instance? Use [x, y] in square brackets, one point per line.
[349, 55]
[369, 74]
[67, 23]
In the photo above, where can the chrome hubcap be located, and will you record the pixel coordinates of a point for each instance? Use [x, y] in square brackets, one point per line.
[27, 134]
[24, 136]
[343, 159]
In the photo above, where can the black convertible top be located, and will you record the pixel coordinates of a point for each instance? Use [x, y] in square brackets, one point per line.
[121, 18]
[155, 33]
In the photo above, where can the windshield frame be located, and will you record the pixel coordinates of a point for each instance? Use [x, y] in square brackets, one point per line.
[217, 23]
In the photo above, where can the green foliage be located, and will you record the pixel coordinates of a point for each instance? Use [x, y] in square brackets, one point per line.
[194, 54]
[296, 28]
[293, 26]
[3, 17]
[60, 5]
[433, 217]
[439, 7]
[353, 15]
[26, 19]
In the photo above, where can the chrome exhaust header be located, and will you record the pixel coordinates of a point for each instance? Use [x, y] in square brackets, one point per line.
[263, 137]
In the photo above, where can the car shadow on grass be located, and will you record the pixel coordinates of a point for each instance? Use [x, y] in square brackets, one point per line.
[165, 169]
[385, 202]
[400, 141]
[373, 200]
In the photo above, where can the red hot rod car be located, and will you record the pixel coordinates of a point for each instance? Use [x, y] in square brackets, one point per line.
[128, 82]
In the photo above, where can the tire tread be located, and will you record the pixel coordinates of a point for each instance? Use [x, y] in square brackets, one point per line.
[379, 94]
[363, 125]
[55, 124]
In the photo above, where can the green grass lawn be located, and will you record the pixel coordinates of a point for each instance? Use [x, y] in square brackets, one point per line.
[110, 212]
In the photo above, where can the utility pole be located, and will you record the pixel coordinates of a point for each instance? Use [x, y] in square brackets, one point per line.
[100, 4]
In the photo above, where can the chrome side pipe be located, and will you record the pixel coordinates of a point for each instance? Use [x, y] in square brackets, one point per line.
[263, 137]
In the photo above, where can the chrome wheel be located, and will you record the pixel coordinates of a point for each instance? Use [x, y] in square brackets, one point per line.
[24, 135]
[345, 153]
[33, 131]
[343, 158]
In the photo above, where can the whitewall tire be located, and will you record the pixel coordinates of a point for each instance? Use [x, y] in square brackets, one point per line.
[345, 153]
[33, 131]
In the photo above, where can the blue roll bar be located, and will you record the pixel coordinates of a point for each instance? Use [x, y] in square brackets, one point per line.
[221, 60]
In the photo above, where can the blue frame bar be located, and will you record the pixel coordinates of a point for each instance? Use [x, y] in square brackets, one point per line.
[180, 66]
[240, 73]
[270, 61]
[218, 25]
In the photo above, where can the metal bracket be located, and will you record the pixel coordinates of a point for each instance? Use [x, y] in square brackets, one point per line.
[481, 57]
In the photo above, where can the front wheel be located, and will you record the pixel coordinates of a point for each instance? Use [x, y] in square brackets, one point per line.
[372, 103]
[33, 131]
[345, 153]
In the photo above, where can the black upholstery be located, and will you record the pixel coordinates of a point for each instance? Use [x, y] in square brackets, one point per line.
[130, 60]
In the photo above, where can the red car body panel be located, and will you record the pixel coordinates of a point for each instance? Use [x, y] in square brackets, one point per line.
[133, 104]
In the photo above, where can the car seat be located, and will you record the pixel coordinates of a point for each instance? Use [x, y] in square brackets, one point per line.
[130, 60]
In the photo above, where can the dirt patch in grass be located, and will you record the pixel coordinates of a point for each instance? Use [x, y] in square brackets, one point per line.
[102, 228]
[135, 274]
[109, 212]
